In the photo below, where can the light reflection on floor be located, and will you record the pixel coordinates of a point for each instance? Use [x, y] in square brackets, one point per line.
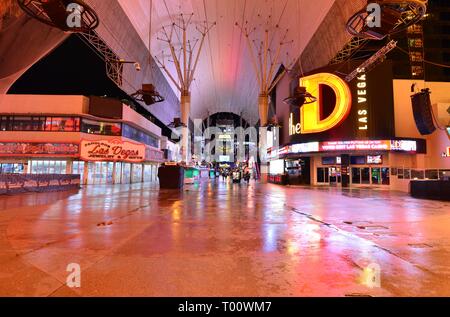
[220, 239]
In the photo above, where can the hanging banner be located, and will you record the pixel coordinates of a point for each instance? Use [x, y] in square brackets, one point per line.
[112, 150]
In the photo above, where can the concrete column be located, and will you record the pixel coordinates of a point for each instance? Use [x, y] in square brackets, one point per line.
[264, 167]
[185, 112]
[85, 176]
[263, 106]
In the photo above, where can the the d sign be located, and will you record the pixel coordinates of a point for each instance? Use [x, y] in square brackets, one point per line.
[311, 113]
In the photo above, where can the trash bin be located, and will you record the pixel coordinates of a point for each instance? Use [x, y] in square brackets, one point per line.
[171, 176]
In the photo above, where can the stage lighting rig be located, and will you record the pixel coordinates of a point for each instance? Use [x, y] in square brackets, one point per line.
[67, 15]
[395, 16]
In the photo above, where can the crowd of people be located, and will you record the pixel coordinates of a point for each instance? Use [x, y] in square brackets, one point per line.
[236, 174]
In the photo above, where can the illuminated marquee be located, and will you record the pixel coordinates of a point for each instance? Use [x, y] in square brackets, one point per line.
[310, 113]
[357, 145]
[112, 150]
[38, 149]
[363, 122]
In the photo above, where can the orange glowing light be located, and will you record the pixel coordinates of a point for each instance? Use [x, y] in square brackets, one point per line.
[310, 113]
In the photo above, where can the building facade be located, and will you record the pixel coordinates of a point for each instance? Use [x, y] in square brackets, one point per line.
[363, 137]
[42, 134]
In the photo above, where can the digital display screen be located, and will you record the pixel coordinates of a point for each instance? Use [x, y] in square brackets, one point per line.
[329, 160]
[276, 167]
[224, 158]
[374, 159]
[403, 145]
[358, 160]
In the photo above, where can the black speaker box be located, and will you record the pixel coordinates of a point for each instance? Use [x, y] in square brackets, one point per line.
[421, 104]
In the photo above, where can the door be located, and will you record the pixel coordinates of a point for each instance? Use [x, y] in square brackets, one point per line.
[335, 176]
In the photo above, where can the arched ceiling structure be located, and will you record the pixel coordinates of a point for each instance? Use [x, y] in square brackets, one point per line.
[225, 80]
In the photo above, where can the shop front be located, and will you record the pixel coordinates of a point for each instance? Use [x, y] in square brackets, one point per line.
[365, 170]
[357, 133]
[98, 162]
[340, 163]
[117, 162]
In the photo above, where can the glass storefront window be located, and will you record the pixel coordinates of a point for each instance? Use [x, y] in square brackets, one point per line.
[365, 175]
[91, 171]
[4, 124]
[417, 174]
[385, 176]
[356, 175]
[118, 179]
[443, 174]
[102, 128]
[431, 174]
[376, 176]
[78, 168]
[148, 173]
[139, 136]
[65, 124]
[12, 168]
[407, 174]
[48, 167]
[126, 173]
[137, 173]
[109, 172]
[320, 175]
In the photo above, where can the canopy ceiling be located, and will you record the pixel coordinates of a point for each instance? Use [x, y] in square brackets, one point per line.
[225, 80]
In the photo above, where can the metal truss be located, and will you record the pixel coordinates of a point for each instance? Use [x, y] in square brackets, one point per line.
[372, 61]
[54, 13]
[349, 49]
[114, 67]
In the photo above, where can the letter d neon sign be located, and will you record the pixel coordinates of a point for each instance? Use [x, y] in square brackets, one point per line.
[310, 113]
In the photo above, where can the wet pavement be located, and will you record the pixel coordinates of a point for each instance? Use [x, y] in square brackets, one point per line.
[220, 239]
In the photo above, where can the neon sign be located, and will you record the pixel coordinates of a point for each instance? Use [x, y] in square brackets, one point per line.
[310, 114]
[112, 150]
[357, 145]
[39, 149]
[362, 101]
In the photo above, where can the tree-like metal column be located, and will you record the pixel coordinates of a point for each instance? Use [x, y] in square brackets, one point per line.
[265, 54]
[185, 62]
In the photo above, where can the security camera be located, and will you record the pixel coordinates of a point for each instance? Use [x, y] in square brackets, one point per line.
[137, 66]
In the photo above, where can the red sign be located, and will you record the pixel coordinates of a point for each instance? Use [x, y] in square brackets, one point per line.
[39, 149]
[112, 150]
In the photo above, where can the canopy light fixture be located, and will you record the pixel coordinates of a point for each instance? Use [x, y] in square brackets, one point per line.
[301, 97]
[393, 16]
[148, 95]
[177, 124]
[67, 15]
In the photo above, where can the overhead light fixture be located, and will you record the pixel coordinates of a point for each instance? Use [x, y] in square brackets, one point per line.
[177, 124]
[395, 16]
[58, 13]
[148, 95]
[300, 97]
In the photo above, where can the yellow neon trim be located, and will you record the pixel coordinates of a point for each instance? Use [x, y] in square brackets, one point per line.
[310, 113]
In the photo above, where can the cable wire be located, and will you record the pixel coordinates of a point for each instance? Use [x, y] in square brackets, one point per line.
[424, 60]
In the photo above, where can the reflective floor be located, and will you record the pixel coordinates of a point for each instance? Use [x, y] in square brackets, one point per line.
[220, 239]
